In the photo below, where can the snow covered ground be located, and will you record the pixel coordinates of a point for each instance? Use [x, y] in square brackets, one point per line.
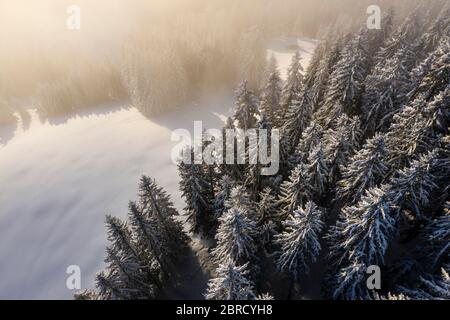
[59, 180]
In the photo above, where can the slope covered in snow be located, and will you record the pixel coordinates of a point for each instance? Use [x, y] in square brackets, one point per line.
[60, 179]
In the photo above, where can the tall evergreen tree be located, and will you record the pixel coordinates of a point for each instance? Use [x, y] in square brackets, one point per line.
[299, 241]
[364, 231]
[340, 142]
[196, 190]
[130, 273]
[271, 94]
[317, 172]
[293, 84]
[430, 286]
[405, 34]
[246, 108]
[155, 204]
[326, 67]
[311, 138]
[231, 283]
[386, 91]
[414, 129]
[297, 119]
[366, 169]
[350, 283]
[294, 192]
[266, 210]
[235, 236]
[433, 74]
[346, 83]
[412, 186]
[223, 192]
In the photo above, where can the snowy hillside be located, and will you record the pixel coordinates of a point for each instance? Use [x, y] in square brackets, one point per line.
[60, 179]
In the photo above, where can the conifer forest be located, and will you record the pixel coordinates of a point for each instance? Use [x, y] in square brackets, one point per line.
[359, 208]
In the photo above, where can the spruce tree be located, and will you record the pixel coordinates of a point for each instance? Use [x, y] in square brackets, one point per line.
[346, 83]
[131, 273]
[196, 190]
[317, 172]
[413, 186]
[340, 142]
[326, 67]
[246, 107]
[155, 204]
[386, 90]
[365, 170]
[430, 286]
[235, 236]
[350, 283]
[231, 283]
[311, 138]
[299, 240]
[266, 210]
[364, 231]
[293, 84]
[294, 192]
[297, 119]
[271, 94]
[225, 185]
[433, 74]
[415, 128]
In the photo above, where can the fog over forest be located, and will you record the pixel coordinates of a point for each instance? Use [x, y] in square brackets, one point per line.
[352, 95]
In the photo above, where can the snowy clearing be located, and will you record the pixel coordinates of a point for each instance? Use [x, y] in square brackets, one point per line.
[60, 179]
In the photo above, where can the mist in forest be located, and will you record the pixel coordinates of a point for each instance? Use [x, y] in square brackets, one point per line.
[144, 50]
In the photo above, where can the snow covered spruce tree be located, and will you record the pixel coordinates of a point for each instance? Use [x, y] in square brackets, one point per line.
[271, 94]
[312, 72]
[246, 107]
[359, 239]
[346, 83]
[317, 173]
[143, 250]
[430, 286]
[299, 240]
[310, 138]
[432, 75]
[381, 99]
[364, 230]
[293, 85]
[365, 170]
[235, 237]
[416, 127]
[435, 239]
[155, 205]
[296, 120]
[266, 210]
[130, 274]
[230, 283]
[318, 88]
[405, 34]
[350, 283]
[340, 142]
[413, 186]
[197, 192]
[294, 192]
[239, 198]
[254, 180]
[223, 192]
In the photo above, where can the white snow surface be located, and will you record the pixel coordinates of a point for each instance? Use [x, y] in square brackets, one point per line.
[59, 179]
